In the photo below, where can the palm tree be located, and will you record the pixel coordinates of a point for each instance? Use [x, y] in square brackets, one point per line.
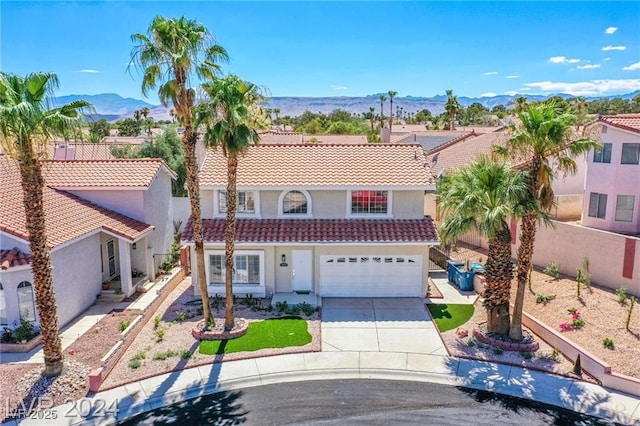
[579, 107]
[170, 55]
[137, 114]
[544, 141]
[372, 111]
[276, 111]
[521, 102]
[233, 116]
[485, 195]
[452, 106]
[382, 99]
[26, 127]
[145, 112]
[391, 94]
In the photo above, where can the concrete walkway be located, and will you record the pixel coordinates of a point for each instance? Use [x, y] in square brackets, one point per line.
[178, 386]
[450, 293]
[77, 327]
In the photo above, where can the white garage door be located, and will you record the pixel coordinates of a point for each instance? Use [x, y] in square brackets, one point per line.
[371, 276]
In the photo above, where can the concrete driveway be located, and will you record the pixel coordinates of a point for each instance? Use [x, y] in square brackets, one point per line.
[379, 325]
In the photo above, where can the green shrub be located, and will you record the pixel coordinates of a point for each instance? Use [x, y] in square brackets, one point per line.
[608, 343]
[181, 316]
[526, 355]
[136, 360]
[166, 354]
[622, 295]
[471, 343]
[498, 351]
[123, 325]
[186, 354]
[307, 309]
[156, 321]
[553, 270]
[544, 299]
[24, 331]
[282, 307]
[293, 310]
[159, 332]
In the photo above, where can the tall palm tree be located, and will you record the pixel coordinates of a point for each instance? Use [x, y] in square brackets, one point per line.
[137, 115]
[372, 111]
[452, 106]
[392, 95]
[382, 99]
[233, 116]
[276, 111]
[27, 124]
[544, 141]
[484, 196]
[171, 55]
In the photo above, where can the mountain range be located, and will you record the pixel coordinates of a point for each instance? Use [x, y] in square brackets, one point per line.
[112, 106]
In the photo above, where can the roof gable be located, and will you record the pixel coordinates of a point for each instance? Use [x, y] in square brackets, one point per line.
[629, 122]
[323, 165]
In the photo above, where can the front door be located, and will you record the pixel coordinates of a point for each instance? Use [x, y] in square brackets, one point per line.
[301, 270]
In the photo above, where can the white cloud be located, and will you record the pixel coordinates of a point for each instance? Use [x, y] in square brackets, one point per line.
[488, 95]
[607, 58]
[607, 48]
[632, 67]
[587, 88]
[88, 71]
[513, 76]
[336, 87]
[611, 30]
[588, 66]
[490, 73]
[562, 60]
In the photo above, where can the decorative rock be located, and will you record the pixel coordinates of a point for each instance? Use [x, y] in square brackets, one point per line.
[462, 332]
[527, 345]
[218, 333]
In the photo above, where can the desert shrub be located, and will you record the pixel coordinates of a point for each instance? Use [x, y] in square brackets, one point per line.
[307, 309]
[186, 354]
[498, 351]
[159, 332]
[166, 354]
[24, 331]
[608, 343]
[282, 307]
[181, 316]
[136, 360]
[156, 321]
[553, 270]
[622, 295]
[123, 325]
[293, 310]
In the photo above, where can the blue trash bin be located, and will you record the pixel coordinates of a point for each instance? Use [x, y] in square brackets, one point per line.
[465, 280]
[452, 268]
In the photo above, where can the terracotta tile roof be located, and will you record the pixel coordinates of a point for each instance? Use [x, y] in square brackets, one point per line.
[82, 151]
[66, 215]
[12, 258]
[319, 230]
[318, 165]
[624, 121]
[459, 154]
[121, 173]
[296, 138]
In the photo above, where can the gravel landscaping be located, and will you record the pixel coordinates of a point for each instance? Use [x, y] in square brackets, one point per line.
[603, 317]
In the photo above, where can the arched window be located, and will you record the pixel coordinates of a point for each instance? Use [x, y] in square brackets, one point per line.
[294, 202]
[3, 307]
[25, 301]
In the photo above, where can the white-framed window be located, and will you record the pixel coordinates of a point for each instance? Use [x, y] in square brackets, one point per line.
[597, 205]
[603, 154]
[295, 203]
[369, 202]
[26, 302]
[630, 153]
[624, 208]
[246, 202]
[248, 267]
[3, 307]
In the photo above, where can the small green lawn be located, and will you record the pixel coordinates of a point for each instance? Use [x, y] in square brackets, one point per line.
[448, 317]
[270, 333]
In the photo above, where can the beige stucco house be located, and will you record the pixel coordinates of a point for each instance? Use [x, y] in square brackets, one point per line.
[331, 220]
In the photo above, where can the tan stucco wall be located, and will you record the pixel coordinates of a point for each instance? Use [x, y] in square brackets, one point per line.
[408, 204]
[278, 279]
[430, 205]
[329, 204]
[568, 207]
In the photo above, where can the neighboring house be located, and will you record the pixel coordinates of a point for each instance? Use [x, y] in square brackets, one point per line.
[612, 187]
[104, 220]
[272, 137]
[81, 151]
[334, 220]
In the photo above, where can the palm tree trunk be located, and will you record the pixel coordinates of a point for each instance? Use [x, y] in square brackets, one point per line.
[390, 114]
[32, 188]
[525, 254]
[230, 236]
[189, 140]
[381, 115]
[499, 271]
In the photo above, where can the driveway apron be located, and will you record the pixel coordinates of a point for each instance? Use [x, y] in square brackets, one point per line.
[379, 325]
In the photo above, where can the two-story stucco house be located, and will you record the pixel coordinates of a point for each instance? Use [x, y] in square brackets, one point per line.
[612, 185]
[332, 220]
[104, 219]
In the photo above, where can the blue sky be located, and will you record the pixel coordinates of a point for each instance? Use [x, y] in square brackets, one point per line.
[345, 49]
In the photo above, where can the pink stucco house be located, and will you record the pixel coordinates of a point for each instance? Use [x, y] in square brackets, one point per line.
[612, 185]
